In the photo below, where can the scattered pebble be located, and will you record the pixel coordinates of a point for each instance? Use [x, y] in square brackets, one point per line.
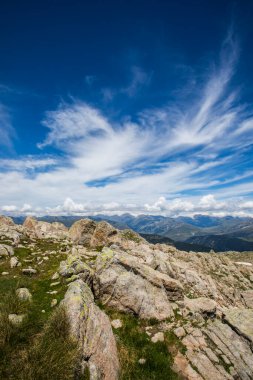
[55, 283]
[55, 276]
[54, 302]
[23, 294]
[13, 262]
[142, 361]
[29, 271]
[179, 332]
[16, 319]
[116, 323]
[158, 337]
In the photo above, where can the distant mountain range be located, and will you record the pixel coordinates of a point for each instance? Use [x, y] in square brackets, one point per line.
[198, 233]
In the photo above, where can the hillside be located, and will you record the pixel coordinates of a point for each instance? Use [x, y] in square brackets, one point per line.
[94, 302]
[183, 246]
[222, 243]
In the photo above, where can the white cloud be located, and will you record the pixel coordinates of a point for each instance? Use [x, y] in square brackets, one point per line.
[9, 208]
[208, 202]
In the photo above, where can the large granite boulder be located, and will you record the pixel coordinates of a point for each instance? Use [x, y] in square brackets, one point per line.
[92, 329]
[104, 234]
[81, 232]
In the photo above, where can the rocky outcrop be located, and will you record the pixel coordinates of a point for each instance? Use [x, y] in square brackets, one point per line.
[6, 221]
[9, 230]
[214, 352]
[203, 301]
[125, 283]
[45, 230]
[92, 329]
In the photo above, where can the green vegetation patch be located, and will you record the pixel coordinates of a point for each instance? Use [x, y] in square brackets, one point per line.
[134, 344]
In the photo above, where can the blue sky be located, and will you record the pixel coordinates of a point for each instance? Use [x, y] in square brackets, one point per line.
[126, 106]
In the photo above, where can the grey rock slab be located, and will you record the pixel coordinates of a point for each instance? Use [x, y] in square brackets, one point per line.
[92, 329]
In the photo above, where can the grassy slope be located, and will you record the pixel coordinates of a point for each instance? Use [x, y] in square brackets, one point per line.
[34, 350]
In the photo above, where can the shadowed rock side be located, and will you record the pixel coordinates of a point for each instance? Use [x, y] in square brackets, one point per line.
[204, 301]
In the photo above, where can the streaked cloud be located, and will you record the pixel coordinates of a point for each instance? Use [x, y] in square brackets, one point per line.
[7, 132]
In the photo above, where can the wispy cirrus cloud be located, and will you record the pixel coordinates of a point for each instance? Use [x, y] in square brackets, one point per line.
[7, 132]
[190, 155]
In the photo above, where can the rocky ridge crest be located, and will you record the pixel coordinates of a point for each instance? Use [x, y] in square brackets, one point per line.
[204, 299]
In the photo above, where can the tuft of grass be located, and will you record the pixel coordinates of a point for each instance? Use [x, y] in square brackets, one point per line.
[53, 353]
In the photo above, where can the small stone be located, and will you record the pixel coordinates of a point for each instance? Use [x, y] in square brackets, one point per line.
[158, 337]
[13, 262]
[15, 319]
[55, 283]
[5, 273]
[142, 361]
[54, 302]
[179, 332]
[52, 292]
[23, 294]
[116, 323]
[43, 311]
[29, 271]
[55, 276]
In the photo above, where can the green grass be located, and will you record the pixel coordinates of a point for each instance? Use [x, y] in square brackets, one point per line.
[22, 347]
[133, 344]
[36, 350]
